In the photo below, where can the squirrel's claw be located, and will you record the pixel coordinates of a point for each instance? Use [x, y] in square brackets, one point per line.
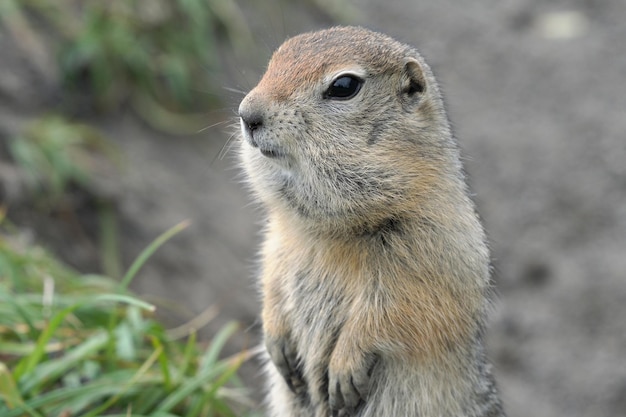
[349, 389]
[284, 356]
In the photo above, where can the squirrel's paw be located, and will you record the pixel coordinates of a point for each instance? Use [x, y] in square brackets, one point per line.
[349, 382]
[284, 356]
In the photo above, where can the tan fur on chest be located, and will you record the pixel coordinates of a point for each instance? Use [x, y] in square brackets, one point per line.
[404, 308]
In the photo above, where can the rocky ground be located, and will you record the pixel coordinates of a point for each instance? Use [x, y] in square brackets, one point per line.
[537, 94]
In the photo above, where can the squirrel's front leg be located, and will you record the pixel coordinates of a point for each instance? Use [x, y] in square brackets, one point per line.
[349, 372]
[283, 353]
[278, 342]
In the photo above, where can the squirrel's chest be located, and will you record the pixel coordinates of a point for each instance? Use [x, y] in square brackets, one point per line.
[316, 309]
[317, 286]
[317, 302]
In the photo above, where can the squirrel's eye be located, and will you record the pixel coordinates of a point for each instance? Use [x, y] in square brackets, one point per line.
[344, 88]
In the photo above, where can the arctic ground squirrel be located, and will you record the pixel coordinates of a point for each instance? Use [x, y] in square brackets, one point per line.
[375, 272]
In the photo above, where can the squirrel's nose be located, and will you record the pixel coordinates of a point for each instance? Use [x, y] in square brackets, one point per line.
[252, 121]
[251, 117]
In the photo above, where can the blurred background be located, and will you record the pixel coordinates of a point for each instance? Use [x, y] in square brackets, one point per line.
[117, 121]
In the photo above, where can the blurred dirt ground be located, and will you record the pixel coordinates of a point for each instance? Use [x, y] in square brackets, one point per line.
[537, 94]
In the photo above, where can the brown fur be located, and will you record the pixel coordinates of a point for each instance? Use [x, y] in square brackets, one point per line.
[375, 271]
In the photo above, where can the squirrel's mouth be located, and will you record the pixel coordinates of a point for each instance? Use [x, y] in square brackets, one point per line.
[265, 150]
[271, 153]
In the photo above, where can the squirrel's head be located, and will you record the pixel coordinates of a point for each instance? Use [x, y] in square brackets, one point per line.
[345, 127]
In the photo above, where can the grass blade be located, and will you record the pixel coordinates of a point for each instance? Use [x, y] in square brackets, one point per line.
[28, 363]
[140, 372]
[211, 355]
[21, 312]
[52, 369]
[163, 363]
[120, 298]
[8, 389]
[188, 354]
[187, 388]
[67, 397]
[147, 252]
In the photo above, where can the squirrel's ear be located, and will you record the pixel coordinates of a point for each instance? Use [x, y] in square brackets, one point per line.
[414, 80]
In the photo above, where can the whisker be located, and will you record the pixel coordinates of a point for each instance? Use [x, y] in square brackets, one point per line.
[213, 125]
[225, 148]
[234, 90]
[230, 143]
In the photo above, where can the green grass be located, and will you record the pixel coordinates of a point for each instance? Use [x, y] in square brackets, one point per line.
[159, 56]
[54, 152]
[82, 345]
[74, 344]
